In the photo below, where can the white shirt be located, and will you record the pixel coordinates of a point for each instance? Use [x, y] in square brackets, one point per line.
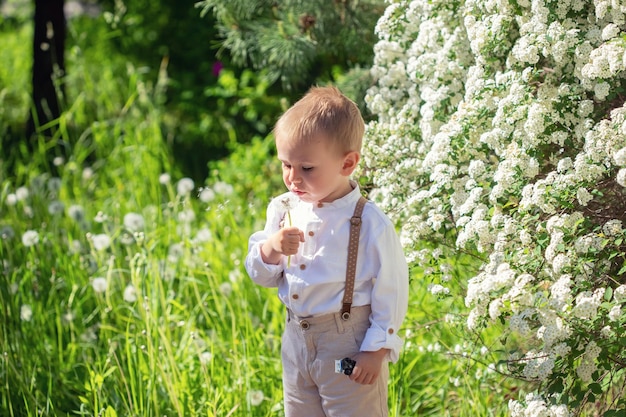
[314, 282]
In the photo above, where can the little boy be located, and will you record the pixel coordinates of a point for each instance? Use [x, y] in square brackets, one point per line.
[338, 306]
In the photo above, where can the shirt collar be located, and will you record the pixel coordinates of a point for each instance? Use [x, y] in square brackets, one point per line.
[347, 200]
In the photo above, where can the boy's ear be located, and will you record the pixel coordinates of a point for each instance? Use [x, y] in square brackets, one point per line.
[350, 162]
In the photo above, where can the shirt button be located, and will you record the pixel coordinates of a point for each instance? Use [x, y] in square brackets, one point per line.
[311, 232]
[295, 296]
[320, 204]
[302, 267]
[390, 331]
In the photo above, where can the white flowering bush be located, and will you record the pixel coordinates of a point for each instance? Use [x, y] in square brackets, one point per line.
[501, 132]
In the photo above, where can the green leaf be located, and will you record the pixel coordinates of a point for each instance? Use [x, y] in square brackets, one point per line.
[110, 412]
[109, 371]
[595, 388]
[556, 386]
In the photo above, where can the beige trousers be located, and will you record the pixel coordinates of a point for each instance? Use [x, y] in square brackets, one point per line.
[311, 387]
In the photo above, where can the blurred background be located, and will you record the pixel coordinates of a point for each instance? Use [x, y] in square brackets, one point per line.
[221, 72]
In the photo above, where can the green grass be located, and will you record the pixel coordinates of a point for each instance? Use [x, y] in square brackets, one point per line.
[199, 339]
[14, 77]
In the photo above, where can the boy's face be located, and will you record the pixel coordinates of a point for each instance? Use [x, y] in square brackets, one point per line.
[316, 170]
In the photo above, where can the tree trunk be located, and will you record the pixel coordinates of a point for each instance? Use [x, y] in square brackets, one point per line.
[48, 63]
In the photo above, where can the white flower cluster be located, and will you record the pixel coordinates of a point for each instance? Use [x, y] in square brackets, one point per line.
[538, 365]
[535, 406]
[587, 304]
[587, 365]
[498, 124]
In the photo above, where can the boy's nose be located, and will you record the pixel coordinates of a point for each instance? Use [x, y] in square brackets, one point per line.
[293, 176]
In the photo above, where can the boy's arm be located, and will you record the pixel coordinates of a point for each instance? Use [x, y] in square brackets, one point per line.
[267, 274]
[262, 273]
[267, 247]
[390, 294]
[389, 306]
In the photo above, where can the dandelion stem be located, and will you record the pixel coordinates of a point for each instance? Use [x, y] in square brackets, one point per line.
[287, 204]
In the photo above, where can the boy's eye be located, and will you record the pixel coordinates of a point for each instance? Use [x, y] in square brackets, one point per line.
[307, 168]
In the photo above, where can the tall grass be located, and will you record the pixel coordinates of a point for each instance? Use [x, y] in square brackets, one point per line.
[132, 299]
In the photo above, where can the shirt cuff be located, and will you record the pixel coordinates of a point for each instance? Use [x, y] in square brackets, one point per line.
[263, 274]
[376, 339]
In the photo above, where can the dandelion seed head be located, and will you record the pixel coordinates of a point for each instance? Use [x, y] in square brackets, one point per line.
[30, 238]
[89, 335]
[26, 312]
[256, 397]
[29, 212]
[186, 216]
[223, 188]
[100, 217]
[175, 252]
[130, 294]
[185, 186]
[287, 204]
[68, 317]
[206, 357]
[127, 239]
[76, 213]
[7, 232]
[206, 195]
[226, 289]
[101, 241]
[54, 184]
[22, 193]
[134, 222]
[165, 178]
[55, 208]
[11, 199]
[99, 285]
[234, 275]
[203, 235]
[87, 173]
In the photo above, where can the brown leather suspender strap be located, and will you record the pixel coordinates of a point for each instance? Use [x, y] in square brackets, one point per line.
[353, 252]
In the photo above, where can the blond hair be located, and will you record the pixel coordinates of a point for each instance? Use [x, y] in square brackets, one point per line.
[326, 112]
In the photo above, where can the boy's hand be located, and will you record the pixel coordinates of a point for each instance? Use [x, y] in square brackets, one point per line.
[368, 365]
[284, 242]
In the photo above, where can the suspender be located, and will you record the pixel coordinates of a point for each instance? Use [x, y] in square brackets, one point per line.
[353, 251]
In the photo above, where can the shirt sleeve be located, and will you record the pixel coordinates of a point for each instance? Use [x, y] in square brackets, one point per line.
[390, 295]
[266, 275]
